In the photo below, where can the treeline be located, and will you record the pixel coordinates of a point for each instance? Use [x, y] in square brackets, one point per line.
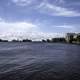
[1, 40]
[14, 40]
[62, 40]
[28, 40]
[75, 40]
[24, 40]
[53, 40]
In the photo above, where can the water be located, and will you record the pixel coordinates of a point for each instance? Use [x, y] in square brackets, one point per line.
[39, 61]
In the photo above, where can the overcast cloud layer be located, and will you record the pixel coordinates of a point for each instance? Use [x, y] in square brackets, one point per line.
[38, 19]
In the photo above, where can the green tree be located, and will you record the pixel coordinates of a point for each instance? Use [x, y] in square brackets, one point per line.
[48, 40]
[71, 39]
[78, 38]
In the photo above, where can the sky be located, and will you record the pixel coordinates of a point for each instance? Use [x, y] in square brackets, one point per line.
[38, 19]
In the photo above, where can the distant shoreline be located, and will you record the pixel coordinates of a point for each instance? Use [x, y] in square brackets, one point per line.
[44, 42]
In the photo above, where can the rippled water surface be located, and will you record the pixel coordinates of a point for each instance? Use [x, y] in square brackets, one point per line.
[39, 61]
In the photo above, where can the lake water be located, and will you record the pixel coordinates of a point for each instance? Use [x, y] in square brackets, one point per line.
[39, 61]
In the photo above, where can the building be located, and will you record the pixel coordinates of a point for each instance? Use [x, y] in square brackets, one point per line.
[72, 37]
[69, 37]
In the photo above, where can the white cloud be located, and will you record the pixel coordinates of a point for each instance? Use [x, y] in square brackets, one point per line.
[17, 26]
[1, 19]
[23, 2]
[16, 29]
[53, 10]
[45, 7]
[23, 30]
[66, 26]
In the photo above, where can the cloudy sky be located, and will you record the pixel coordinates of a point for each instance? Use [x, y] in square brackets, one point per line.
[38, 19]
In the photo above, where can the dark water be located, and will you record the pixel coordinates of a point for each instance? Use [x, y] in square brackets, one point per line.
[39, 61]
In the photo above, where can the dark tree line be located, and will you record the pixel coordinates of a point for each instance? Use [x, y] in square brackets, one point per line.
[55, 40]
[1, 40]
[14, 40]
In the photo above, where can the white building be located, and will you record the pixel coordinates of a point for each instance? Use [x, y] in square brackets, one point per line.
[70, 36]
